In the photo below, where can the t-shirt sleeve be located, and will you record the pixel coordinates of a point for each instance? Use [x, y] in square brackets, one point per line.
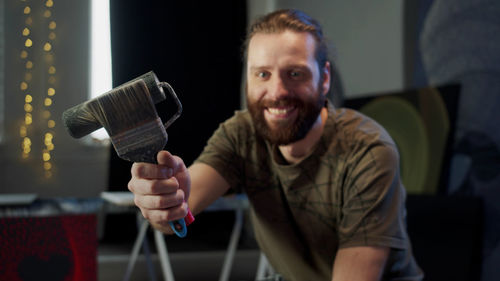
[373, 212]
[221, 152]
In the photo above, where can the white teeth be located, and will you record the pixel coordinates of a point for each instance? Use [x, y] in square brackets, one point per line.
[278, 110]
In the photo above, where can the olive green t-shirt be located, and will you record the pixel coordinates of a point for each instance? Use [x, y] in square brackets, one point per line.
[346, 193]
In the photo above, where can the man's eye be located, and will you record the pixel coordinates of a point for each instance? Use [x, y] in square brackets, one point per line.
[263, 74]
[295, 74]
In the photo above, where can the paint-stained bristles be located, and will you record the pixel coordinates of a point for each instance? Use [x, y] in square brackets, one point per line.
[124, 108]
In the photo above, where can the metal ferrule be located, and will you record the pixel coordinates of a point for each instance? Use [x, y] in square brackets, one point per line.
[142, 143]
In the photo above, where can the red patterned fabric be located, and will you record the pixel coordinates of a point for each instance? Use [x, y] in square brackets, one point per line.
[48, 248]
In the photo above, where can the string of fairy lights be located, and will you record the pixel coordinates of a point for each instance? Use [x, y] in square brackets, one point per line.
[25, 128]
[46, 25]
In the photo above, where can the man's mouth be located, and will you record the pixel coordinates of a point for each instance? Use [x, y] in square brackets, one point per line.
[280, 110]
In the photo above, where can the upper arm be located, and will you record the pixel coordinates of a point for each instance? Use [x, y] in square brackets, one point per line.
[206, 186]
[360, 263]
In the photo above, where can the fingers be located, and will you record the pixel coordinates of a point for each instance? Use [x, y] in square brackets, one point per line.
[154, 202]
[179, 170]
[168, 166]
[161, 190]
[162, 217]
[141, 186]
[159, 203]
[173, 162]
[151, 171]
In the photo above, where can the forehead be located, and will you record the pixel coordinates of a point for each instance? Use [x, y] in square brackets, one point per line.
[277, 48]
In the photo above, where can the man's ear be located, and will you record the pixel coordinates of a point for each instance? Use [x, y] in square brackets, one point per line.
[326, 78]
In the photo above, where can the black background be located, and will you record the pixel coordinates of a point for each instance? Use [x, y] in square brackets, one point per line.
[195, 46]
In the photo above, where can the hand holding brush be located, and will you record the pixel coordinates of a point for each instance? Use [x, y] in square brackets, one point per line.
[161, 190]
[129, 116]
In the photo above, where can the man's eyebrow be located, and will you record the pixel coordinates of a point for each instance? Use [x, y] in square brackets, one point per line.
[300, 66]
[258, 67]
[290, 66]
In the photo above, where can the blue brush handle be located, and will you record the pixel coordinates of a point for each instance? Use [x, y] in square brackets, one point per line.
[182, 233]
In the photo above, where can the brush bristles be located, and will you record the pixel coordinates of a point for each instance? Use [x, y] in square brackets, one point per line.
[129, 116]
[152, 82]
[80, 121]
[124, 108]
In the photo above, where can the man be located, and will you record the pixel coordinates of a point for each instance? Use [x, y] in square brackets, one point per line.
[326, 199]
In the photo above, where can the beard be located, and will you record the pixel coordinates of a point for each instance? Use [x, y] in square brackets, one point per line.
[286, 132]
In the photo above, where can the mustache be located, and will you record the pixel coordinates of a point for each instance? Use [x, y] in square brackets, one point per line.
[288, 101]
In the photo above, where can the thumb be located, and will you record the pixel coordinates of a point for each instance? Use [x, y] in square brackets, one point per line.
[179, 170]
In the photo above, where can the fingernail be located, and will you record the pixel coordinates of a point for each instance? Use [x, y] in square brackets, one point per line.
[166, 172]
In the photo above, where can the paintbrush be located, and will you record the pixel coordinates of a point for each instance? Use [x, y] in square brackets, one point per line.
[129, 116]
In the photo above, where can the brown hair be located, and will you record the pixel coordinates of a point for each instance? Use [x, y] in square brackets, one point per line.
[294, 20]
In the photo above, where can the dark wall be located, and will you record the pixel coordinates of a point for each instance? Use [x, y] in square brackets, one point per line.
[195, 47]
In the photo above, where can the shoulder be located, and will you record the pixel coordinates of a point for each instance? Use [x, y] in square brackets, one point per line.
[355, 125]
[238, 126]
[239, 118]
[356, 136]
[354, 128]
[236, 133]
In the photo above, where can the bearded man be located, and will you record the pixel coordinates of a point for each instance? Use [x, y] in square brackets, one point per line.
[326, 198]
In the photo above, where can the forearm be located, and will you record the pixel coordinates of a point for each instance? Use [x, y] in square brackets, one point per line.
[360, 263]
[207, 185]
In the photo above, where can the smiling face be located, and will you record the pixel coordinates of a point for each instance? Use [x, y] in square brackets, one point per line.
[284, 91]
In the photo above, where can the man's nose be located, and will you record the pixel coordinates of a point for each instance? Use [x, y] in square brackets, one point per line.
[279, 88]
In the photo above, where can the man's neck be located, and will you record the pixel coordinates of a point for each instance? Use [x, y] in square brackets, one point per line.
[295, 152]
